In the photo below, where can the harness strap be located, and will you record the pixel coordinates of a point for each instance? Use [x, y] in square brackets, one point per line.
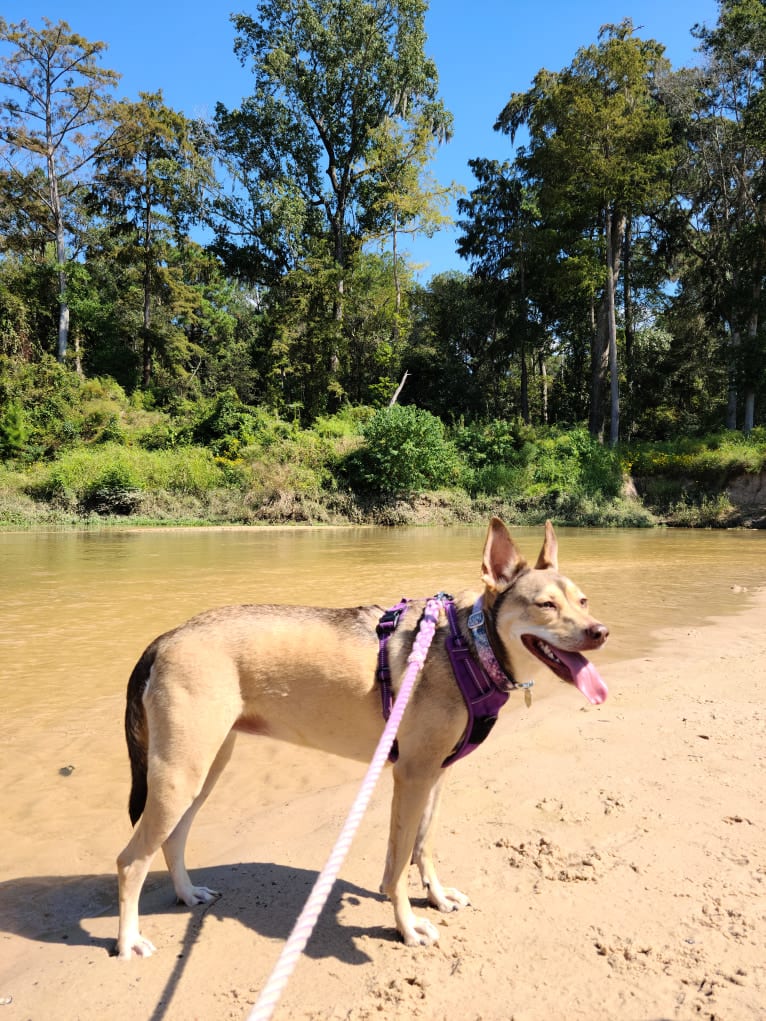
[387, 624]
[484, 685]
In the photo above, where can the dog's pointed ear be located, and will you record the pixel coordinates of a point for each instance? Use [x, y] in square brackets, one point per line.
[549, 554]
[502, 560]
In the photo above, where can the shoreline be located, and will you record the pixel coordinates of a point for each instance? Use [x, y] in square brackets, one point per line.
[613, 855]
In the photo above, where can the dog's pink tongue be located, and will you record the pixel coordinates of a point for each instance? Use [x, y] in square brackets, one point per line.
[585, 677]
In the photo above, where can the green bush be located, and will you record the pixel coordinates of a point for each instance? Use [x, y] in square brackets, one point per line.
[14, 431]
[109, 475]
[116, 490]
[512, 459]
[706, 464]
[404, 450]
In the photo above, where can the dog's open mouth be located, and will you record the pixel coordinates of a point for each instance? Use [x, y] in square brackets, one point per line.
[570, 666]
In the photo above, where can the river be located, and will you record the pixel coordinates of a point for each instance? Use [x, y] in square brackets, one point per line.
[79, 607]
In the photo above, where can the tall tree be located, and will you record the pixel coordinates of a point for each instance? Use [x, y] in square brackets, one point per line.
[151, 187]
[721, 108]
[55, 119]
[507, 245]
[328, 77]
[599, 152]
[399, 196]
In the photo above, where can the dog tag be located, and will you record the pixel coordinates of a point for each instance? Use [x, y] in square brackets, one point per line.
[527, 697]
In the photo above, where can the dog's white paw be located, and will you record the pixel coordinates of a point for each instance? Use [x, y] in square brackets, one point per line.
[420, 933]
[140, 946]
[448, 899]
[197, 895]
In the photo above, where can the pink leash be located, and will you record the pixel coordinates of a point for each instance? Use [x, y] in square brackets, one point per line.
[299, 937]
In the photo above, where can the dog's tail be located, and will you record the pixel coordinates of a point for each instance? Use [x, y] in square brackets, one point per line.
[136, 733]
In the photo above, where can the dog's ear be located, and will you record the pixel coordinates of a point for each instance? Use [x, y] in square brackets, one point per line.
[549, 554]
[502, 560]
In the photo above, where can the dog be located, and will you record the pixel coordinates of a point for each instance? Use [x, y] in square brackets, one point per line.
[307, 675]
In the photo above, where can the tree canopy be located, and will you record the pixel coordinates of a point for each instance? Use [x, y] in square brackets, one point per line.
[615, 253]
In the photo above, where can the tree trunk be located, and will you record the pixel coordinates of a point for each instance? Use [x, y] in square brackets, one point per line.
[731, 402]
[63, 324]
[63, 329]
[604, 343]
[599, 362]
[627, 304]
[59, 238]
[544, 388]
[749, 411]
[77, 355]
[614, 231]
[397, 282]
[398, 390]
[524, 386]
[146, 339]
[751, 357]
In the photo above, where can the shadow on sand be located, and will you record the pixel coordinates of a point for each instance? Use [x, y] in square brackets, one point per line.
[264, 897]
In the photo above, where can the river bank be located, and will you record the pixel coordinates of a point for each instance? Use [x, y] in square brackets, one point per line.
[613, 855]
[740, 506]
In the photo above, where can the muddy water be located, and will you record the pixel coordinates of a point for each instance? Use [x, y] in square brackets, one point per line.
[78, 608]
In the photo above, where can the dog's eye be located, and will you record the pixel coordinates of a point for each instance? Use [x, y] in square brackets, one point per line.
[548, 605]
[584, 602]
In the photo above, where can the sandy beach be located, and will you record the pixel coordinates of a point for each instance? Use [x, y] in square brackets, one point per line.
[614, 856]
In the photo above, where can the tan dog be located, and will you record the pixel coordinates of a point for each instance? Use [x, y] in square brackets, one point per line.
[307, 675]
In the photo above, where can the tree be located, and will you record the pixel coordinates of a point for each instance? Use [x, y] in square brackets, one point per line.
[457, 356]
[328, 77]
[507, 245]
[720, 111]
[55, 119]
[150, 187]
[399, 195]
[599, 152]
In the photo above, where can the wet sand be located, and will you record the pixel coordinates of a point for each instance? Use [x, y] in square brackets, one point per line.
[614, 857]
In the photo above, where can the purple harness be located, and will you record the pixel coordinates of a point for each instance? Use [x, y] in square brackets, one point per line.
[484, 685]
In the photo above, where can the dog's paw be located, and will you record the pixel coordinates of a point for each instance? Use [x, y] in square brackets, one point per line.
[140, 947]
[420, 933]
[448, 899]
[197, 895]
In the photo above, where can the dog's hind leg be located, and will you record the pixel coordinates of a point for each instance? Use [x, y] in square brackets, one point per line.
[174, 847]
[412, 794]
[178, 783]
[443, 898]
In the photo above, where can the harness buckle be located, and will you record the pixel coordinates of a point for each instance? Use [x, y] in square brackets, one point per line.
[389, 621]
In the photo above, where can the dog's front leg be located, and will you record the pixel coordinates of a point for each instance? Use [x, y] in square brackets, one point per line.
[443, 898]
[412, 792]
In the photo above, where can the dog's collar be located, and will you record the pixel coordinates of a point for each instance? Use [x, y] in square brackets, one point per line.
[484, 650]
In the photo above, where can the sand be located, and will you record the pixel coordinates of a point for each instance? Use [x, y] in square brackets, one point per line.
[614, 857]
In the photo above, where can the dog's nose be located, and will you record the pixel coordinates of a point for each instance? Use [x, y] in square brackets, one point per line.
[598, 633]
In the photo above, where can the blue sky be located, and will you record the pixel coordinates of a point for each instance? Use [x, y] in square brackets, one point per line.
[484, 50]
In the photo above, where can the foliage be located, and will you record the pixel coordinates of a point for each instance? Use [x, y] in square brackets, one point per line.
[405, 450]
[14, 432]
[513, 460]
[719, 110]
[110, 477]
[327, 77]
[150, 187]
[630, 224]
[711, 460]
[600, 154]
[60, 409]
[54, 120]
